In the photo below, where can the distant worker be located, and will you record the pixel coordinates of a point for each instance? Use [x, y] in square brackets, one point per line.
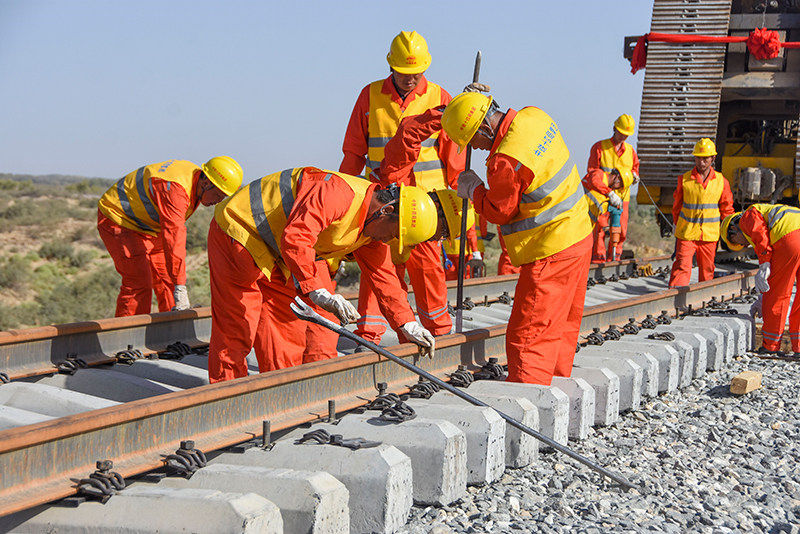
[142, 222]
[375, 119]
[612, 169]
[774, 232]
[702, 199]
[473, 251]
[269, 243]
[534, 193]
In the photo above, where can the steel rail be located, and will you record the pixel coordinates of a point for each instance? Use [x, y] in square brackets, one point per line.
[37, 461]
[38, 351]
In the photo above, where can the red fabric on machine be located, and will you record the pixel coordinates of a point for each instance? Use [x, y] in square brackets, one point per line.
[762, 43]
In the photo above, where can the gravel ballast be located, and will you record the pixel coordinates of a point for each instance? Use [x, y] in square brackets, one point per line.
[708, 461]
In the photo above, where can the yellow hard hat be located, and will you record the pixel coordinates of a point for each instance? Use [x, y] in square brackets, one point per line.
[723, 231]
[397, 257]
[225, 173]
[418, 217]
[704, 147]
[451, 207]
[408, 53]
[625, 124]
[463, 116]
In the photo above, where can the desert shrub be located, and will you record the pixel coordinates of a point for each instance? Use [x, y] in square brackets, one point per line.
[22, 213]
[15, 272]
[80, 258]
[24, 314]
[56, 250]
[197, 282]
[87, 296]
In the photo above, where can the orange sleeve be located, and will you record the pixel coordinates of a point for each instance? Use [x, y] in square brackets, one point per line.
[472, 240]
[500, 202]
[172, 202]
[635, 167]
[454, 163]
[354, 146]
[402, 150]
[677, 201]
[726, 200]
[375, 261]
[594, 158]
[483, 225]
[755, 227]
[319, 203]
[595, 180]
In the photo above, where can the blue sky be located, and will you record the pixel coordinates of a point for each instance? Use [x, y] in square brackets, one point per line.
[97, 88]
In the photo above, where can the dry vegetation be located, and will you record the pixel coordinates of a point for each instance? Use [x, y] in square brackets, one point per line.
[55, 269]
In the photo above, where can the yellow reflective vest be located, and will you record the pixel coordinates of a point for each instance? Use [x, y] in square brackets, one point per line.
[553, 211]
[129, 202]
[597, 204]
[609, 160]
[699, 218]
[384, 118]
[781, 220]
[256, 216]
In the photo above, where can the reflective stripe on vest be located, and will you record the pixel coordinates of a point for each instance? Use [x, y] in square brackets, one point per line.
[597, 206]
[257, 218]
[781, 220]
[384, 118]
[553, 214]
[699, 217]
[129, 202]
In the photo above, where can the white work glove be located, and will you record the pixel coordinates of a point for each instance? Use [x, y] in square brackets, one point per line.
[762, 285]
[181, 296]
[476, 264]
[476, 87]
[467, 182]
[417, 333]
[335, 304]
[614, 200]
[755, 308]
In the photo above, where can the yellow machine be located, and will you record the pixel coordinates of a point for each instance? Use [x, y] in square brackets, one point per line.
[749, 107]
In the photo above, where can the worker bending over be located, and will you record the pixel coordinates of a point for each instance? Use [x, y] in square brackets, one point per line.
[375, 119]
[142, 222]
[269, 243]
[703, 197]
[612, 169]
[774, 232]
[535, 194]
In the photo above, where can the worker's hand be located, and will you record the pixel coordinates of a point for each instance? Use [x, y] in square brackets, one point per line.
[417, 333]
[181, 296]
[476, 87]
[335, 304]
[755, 308]
[762, 277]
[477, 265]
[467, 182]
[614, 200]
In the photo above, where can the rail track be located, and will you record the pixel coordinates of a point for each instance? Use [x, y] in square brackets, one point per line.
[40, 462]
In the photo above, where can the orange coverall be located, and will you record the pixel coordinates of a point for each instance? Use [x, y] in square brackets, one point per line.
[424, 266]
[250, 311]
[784, 259]
[150, 264]
[596, 183]
[545, 320]
[706, 250]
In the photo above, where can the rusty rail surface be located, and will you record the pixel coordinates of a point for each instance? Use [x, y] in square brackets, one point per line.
[40, 350]
[37, 462]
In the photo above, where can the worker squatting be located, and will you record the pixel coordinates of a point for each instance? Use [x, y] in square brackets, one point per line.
[286, 234]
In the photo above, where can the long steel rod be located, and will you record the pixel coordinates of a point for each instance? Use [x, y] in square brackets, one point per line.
[462, 243]
[305, 312]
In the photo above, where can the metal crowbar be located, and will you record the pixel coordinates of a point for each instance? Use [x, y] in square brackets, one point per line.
[305, 312]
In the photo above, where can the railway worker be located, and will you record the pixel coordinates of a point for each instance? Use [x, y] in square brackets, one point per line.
[376, 116]
[473, 251]
[141, 220]
[612, 169]
[703, 197]
[534, 193]
[774, 232]
[269, 243]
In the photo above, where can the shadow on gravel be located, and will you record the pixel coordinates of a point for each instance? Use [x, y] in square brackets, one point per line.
[720, 392]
